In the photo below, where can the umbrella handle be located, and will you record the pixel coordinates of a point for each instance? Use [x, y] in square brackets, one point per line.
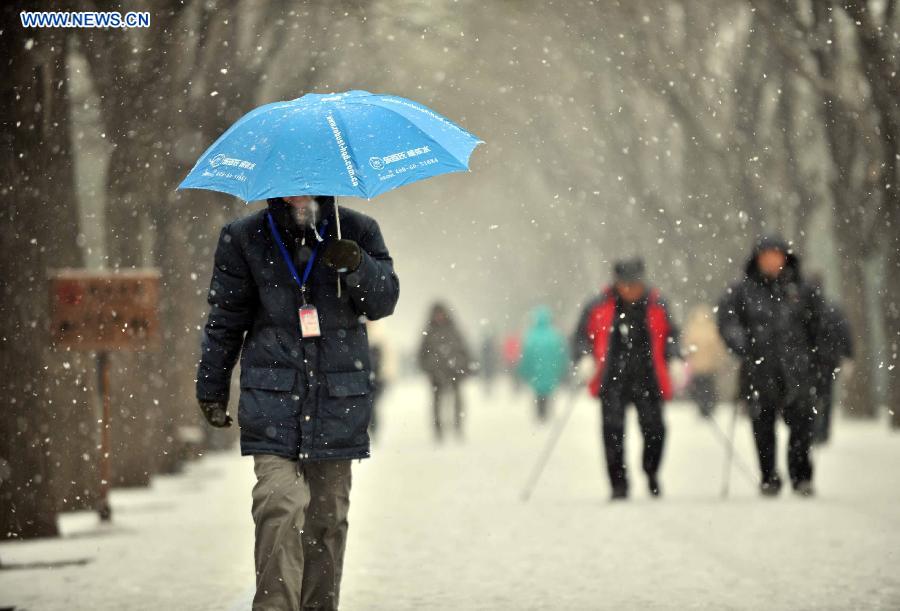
[337, 217]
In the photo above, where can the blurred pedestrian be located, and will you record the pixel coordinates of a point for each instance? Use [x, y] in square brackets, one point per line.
[835, 346]
[305, 390]
[488, 362]
[772, 320]
[446, 360]
[705, 355]
[629, 334]
[382, 370]
[512, 352]
[544, 361]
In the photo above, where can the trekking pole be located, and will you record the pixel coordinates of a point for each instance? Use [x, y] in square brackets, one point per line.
[551, 443]
[728, 442]
[729, 454]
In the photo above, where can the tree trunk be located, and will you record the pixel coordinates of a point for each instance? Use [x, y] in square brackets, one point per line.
[846, 145]
[859, 396]
[135, 423]
[891, 308]
[39, 215]
[791, 105]
[876, 43]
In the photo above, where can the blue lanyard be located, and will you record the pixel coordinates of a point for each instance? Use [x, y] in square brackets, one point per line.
[287, 256]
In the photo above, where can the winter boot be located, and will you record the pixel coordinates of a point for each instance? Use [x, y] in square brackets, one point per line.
[619, 492]
[653, 485]
[804, 488]
[771, 486]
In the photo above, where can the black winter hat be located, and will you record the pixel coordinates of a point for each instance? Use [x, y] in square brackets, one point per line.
[629, 270]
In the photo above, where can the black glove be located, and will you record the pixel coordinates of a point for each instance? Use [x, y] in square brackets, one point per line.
[342, 255]
[215, 413]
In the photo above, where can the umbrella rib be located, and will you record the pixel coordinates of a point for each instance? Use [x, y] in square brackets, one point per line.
[364, 192]
[416, 120]
[271, 150]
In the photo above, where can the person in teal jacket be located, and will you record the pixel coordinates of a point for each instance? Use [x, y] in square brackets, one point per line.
[544, 360]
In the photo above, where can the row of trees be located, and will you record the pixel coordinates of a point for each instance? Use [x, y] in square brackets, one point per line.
[795, 120]
[681, 130]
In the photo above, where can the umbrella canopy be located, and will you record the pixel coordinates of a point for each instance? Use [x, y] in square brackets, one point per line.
[355, 143]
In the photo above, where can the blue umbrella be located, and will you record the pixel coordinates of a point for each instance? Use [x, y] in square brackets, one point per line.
[355, 143]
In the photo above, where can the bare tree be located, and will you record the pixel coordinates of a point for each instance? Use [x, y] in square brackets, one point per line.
[40, 214]
[879, 56]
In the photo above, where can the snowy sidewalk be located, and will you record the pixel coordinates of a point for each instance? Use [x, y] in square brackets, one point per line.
[444, 527]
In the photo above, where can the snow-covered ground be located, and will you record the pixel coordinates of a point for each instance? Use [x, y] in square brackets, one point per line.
[445, 527]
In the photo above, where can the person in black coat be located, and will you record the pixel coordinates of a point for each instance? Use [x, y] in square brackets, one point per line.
[291, 299]
[836, 345]
[772, 321]
[631, 336]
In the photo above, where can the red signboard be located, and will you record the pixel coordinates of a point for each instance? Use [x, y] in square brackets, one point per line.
[94, 310]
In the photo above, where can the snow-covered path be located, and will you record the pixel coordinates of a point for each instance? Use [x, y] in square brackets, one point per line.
[445, 528]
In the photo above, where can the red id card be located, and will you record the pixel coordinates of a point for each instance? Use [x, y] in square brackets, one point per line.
[309, 321]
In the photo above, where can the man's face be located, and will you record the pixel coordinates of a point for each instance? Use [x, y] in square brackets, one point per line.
[304, 209]
[630, 291]
[771, 261]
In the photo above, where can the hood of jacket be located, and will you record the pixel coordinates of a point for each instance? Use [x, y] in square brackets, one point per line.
[773, 242]
[541, 317]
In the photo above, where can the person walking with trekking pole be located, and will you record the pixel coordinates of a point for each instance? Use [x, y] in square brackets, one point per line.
[772, 320]
[629, 334]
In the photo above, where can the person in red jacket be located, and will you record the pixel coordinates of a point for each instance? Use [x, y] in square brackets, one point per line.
[630, 335]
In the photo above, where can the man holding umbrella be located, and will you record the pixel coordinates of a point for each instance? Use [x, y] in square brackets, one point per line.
[305, 393]
[291, 289]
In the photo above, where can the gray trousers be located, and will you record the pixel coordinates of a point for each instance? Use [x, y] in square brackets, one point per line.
[300, 512]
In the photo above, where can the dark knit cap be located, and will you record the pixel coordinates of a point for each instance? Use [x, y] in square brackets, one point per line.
[629, 270]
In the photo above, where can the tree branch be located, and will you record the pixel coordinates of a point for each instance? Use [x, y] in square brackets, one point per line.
[787, 47]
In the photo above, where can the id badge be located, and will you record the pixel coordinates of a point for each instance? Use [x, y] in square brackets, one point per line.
[309, 321]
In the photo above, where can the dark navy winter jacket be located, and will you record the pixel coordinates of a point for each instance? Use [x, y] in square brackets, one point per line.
[307, 398]
[774, 327]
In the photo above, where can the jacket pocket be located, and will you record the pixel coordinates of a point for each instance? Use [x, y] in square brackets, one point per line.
[348, 384]
[267, 409]
[344, 414]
